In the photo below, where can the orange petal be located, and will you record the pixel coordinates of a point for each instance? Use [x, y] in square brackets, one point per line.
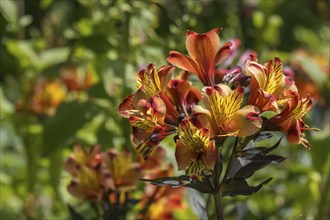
[183, 155]
[246, 121]
[263, 100]
[223, 53]
[183, 62]
[165, 73]
[201, 117]
[293, 133]
[203, 47]
[210, 155]
[126, 106]
[257, 73]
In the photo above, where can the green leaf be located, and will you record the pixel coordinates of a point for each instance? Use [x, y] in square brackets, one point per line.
[98, 91]
[239, 186]
[62, 127]
[55, 169]
[98, 44]
[263, 136]
[51, 57]
[258, 163]
[254, 159]
[268, 114]
[174, 182]
[8, 10]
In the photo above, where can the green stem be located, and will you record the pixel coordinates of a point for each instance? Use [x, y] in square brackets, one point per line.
[216, 191]
[218, 205]
[232, 158]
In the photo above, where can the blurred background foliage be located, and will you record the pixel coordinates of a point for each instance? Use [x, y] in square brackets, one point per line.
[67, 64]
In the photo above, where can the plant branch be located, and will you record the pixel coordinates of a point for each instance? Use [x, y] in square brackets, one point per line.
[218, 205]
[216, 194]
[232, 158]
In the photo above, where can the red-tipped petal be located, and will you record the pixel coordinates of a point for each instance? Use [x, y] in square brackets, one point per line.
[203, 49]
[223, 53]
[125, 106]
[246, 121]
[183, 62]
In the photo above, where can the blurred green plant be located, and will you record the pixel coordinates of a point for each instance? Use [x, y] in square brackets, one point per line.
[110, 40]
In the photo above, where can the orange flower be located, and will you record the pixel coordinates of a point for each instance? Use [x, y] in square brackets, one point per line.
[87, 183]
[98, 175]
[85, 166]
[204, 54]
[152, 81]
[160, 202]
[76, 80]
[147, 118]
[268, 84]
[224, 114]
[121, 172]
[157, 107]
[166, 202]
[48, 94]
[195, 152]
[83, 157]
[290, 119]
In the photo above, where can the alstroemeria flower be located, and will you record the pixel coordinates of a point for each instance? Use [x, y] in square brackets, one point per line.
[156, 109]
[268, 84]
[75, 80]
[195, 152]
[290, 119]
[91, 157]
[180, 98]
[48, 95]
[153, 81]
[147, 118]
[167, 202]
[121, 172]
[204, 54]
[87, 183]
[162, 201]
[85, 166]
[224, 113]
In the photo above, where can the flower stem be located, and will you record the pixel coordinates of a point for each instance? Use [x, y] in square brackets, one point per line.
[218, 205]
[232, 158]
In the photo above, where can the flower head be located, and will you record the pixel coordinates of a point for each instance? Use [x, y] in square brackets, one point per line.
[86, 168]
[204, 54]
[290, 119]
[268, 84]
[48, 94]
[153, 81]
[195, 152]
[91, 157]
[75, 80]
[121, 171]
[157, 107]
[224, 113]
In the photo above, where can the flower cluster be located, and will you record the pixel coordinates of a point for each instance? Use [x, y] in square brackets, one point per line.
[108, 177]
[233, 102]
[49, 93]
[96, 174]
